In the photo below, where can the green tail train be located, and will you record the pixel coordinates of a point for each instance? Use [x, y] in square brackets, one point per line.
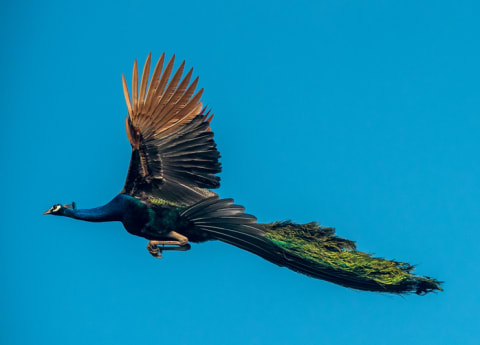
[316, 251]
[305, 248]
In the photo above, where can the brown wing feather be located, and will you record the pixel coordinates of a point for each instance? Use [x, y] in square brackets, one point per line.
[154, 83]
[144, 83]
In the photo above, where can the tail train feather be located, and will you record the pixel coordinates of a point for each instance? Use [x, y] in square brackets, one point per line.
[306, 248]
[337, 260]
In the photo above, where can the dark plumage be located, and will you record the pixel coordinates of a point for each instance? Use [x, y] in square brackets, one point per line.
[167, 196]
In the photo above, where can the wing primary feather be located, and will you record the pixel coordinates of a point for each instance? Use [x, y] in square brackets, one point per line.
[209, 129]
[127, 96]
[162, 83]
[135, 87]
[205, 115]
[144, 82]
[154, 83]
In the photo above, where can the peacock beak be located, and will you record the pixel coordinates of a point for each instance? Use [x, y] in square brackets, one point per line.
[49, 211]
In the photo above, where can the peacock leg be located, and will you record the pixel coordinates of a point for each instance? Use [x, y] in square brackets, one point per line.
[179, 240]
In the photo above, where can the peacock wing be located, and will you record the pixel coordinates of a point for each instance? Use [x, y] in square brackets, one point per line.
[174, 157]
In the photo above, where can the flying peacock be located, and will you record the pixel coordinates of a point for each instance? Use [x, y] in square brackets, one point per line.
[167, 196]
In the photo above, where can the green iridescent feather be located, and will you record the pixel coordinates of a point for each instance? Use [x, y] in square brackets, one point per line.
[157, 201]
[339, 260]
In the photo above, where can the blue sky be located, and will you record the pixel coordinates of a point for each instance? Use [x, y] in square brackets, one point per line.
[364, 117]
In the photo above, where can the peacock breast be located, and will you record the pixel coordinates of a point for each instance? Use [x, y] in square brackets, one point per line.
[150, 222]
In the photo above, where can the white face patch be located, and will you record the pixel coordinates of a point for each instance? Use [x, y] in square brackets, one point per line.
[56, 208]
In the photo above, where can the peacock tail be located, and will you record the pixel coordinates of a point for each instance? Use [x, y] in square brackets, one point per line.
[305, 248]
[337, 260]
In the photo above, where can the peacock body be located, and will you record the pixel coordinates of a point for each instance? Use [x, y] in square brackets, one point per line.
[167, 196]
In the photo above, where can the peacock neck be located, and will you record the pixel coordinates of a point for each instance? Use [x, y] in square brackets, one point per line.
[113, 211]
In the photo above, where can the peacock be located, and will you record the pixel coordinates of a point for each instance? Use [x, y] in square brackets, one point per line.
[168, 199]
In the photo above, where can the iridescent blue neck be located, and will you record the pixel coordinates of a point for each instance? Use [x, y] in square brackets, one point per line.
[113, 211]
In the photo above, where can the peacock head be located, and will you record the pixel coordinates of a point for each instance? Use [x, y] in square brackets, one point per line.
[58, 209]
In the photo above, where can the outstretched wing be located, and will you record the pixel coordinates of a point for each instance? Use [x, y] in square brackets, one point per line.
[174, 157]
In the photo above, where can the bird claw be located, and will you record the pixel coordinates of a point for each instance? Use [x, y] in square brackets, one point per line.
[154, 250]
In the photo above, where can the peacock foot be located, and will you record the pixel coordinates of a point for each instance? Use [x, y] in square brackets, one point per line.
[154, 250]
